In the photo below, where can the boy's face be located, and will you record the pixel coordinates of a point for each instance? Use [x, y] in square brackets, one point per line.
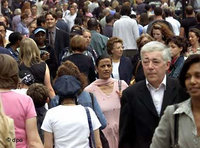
[40, 38]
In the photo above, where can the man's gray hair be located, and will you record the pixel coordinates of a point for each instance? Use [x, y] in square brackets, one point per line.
[157, 46]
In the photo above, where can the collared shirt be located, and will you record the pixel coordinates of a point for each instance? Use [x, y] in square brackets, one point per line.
[157, 94]
[185, 112]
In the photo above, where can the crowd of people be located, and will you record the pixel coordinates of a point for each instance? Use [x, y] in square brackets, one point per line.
[99, 74]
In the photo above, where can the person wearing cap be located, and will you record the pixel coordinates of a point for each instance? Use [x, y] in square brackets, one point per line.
[47, 52]
[67, 124]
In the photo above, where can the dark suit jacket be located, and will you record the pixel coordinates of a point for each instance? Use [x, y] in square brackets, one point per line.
[61, 24]
[61, 42]
[138, 116]
[125, 69]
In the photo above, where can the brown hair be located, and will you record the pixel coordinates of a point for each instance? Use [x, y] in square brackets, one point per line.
[8, 72]
[166, 32]
[78, 43]
[39, 93]
[69, 68]
[139, 40]
[111, 43]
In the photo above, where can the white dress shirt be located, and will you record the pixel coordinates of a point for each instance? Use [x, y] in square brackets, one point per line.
[157, 94]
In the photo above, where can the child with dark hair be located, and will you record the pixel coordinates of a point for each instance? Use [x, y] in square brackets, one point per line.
[40, 95]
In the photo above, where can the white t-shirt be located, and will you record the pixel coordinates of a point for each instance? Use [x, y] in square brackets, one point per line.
[115, 70]
[69, 125]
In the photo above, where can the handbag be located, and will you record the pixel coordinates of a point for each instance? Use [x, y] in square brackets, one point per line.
[91, 138]
[133, 81]
[176, 119]
[103, 138]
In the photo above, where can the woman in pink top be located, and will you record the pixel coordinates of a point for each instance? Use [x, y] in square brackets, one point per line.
[17, 106]
[108, 92]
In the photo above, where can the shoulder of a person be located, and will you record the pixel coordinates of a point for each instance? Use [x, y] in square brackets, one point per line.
[135, 88]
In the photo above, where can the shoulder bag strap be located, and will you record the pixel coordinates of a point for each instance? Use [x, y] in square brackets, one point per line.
[91, 138]
[92, 98]
[120, 85]
[137, 66]
[176, 127]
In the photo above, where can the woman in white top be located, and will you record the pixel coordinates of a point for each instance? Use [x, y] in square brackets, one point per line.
[122, 66]
[66, 125]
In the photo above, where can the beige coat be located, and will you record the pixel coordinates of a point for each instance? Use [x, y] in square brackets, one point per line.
[164, 133]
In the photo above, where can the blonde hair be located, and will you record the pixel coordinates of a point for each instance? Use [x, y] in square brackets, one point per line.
[29, 52]
[4, 128]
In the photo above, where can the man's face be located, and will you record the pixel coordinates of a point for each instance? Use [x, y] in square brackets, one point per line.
[50, 21]
[34, 10]
[154, 67]
[72, 11]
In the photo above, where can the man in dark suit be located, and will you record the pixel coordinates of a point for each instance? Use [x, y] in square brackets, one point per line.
[143, 104]
[57, 38]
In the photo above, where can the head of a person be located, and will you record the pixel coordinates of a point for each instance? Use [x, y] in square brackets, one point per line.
[143, 20]
[3, 30]
[34, 9]
[158, 11]
[39, 35]
[92, 24]
[69, 68]
[4, 3]
[39, 93]
[125, 10]
[72, 10]
[17, 11]
[156, 59]
[194, 36]
[109, 18]
[4, 19]
[178, 46]
[24, 18]
[115, 47]
[32, 27]
[104, 66]
[161, 32]
[41, 21]
[8, 72]
[75, 6]
[65, 6]
[87, 35]
[78, 43]
[142, 40]
[15, 38]
[67, 87]
[26, 79]
[29, 53]
[189, 76]
[189, 10]
[76, 30]
[51, 20]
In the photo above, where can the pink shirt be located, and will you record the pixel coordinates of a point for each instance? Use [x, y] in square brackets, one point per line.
[20, 108]
[110, 106]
